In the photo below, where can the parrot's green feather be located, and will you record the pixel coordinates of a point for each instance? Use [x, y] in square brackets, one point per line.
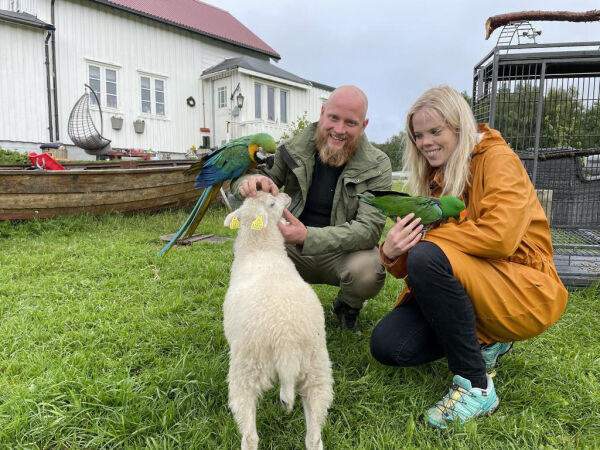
[429, 209]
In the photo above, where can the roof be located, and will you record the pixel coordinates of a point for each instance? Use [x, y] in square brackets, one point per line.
[256, 65]
[24, 19]
[198, 17]
[322, 86]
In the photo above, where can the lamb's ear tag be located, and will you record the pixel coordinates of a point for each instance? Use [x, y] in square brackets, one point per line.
[234, 223]
[257, 224]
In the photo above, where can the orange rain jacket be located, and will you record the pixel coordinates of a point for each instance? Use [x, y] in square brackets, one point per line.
[501, 252]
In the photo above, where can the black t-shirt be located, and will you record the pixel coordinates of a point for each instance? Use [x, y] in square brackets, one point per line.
[319, 200]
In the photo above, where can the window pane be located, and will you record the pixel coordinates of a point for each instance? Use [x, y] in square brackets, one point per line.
[160, 109]
[111, 101]
[146, 95]
[160, 97]
[146, 107]
[94, 82]
[94, 72]
[111, 88]
[257, 104]
[222, 97]
[283, 106]
[145, 82]
[159, 85]
[111, 75]
[270, 103]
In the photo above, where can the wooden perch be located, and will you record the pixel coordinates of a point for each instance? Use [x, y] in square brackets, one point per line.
[502, 19]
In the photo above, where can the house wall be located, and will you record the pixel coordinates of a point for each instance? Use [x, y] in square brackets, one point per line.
[23, 96]
[88, 32]
[301, 99]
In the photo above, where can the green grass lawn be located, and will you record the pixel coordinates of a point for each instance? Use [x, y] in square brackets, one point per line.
[104, 344]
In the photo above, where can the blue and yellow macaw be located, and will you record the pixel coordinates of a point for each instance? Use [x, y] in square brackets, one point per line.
[224, 163]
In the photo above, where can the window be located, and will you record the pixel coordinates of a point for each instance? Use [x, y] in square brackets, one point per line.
[222, 97]
[257, 100]
[270, 103]
[103, 80]
[152, 90]
[283, 106]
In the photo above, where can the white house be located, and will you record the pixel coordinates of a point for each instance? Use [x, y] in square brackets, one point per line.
[177, 67]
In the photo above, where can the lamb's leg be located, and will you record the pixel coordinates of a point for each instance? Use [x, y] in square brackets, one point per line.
[244, 392]
[316, 398]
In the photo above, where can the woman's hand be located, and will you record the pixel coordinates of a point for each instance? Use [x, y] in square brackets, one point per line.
[402, 237]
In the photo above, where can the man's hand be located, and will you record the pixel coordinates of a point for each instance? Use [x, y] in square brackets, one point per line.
[251, 185]
[293, 232]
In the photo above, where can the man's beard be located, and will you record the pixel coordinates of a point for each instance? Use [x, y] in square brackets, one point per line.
[334, 157]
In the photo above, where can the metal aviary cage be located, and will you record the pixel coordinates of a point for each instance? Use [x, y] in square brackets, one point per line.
[545, 100]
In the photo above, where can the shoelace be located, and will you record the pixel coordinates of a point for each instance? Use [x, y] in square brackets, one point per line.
[452, 399]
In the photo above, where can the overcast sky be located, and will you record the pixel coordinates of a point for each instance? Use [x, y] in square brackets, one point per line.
[392, 49]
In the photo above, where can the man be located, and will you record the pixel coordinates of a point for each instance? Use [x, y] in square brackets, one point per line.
[331, 236]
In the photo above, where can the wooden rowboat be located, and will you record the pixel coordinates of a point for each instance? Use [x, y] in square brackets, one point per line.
[95, 188]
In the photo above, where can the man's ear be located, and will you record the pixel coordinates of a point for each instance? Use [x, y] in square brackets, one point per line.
[365, 123]
[322, 110]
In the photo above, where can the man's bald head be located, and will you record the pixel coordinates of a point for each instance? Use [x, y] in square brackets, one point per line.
[351, 96]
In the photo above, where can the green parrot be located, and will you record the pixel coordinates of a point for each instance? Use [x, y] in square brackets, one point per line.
[224, 163]
[431, 210]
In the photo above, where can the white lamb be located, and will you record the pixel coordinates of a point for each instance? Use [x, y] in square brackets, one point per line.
[274, 324]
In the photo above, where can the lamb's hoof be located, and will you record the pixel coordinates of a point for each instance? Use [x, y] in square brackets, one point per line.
[287, 406]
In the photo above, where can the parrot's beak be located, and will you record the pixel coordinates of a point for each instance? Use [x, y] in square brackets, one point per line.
[463, 214]
[263, 157]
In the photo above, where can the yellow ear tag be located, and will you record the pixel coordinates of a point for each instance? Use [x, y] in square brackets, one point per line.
[257, 224]
[234, 223]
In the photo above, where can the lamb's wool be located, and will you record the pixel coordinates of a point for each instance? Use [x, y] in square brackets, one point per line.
[274, 324]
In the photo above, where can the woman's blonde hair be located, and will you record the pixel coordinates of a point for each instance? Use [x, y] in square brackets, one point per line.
[455, 110]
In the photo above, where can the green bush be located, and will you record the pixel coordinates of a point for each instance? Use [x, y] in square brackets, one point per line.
[12, 157]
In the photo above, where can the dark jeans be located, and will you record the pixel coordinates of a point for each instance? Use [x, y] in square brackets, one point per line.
[438, 322]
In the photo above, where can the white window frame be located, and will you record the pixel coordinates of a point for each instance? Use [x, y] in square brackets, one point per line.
[103, 95]
[222, 97]
[154, 98]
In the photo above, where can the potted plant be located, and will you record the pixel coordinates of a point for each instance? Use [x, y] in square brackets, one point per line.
[138, 125]
[116, 121]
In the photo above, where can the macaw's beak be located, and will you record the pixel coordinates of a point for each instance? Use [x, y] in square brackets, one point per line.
[263, 157]
[463, 214]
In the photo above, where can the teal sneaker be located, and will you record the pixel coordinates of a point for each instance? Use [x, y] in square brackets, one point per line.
[491, 353]
[463, 403]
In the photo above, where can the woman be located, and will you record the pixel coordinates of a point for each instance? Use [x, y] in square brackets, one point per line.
[473, 285]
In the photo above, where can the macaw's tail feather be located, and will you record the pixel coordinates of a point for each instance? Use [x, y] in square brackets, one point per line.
[194, 218]
[211, 193]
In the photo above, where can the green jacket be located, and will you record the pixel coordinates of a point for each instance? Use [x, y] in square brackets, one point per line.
[353, 225]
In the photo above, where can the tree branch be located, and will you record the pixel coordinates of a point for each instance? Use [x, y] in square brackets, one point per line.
[502, 19]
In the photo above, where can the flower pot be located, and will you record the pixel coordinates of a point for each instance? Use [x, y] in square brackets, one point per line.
[138, 125]
[116, 122]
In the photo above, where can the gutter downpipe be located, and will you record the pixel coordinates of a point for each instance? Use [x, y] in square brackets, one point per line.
[47, 63]
[54, 83]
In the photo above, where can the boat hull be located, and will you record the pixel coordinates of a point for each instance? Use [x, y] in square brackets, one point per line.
[95, 189]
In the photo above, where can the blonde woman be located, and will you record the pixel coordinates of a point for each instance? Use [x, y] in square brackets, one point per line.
[473, 285]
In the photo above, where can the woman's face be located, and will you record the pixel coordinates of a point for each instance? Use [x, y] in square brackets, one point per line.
[433, 137]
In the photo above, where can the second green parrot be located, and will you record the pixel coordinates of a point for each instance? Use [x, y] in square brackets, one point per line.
[224, 163]
[431, 210]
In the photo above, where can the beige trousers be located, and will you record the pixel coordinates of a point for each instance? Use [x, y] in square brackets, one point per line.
[359, 275]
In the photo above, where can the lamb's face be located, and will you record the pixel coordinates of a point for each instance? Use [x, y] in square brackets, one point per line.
[264, 207]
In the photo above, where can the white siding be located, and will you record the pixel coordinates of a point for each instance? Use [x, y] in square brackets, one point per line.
[132, 45]
[23, 96]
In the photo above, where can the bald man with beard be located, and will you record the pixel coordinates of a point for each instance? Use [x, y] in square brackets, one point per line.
[330, 236]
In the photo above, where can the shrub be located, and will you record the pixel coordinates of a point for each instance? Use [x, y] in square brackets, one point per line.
[12, 157]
